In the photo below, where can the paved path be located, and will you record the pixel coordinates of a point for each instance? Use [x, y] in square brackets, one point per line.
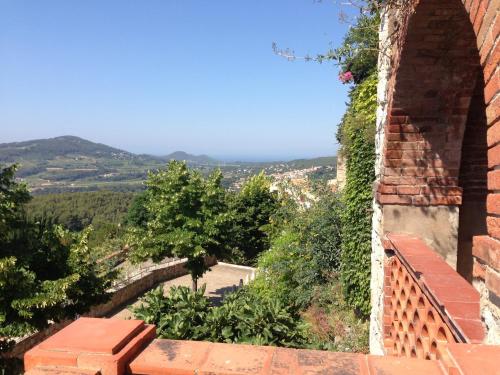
[222, 279]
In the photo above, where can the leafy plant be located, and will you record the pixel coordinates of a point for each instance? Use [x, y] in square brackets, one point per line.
[251, 210]
[46, 272]
[332, 324]
[179, 315]
[187, 217]
[242, 318]
[357, 133]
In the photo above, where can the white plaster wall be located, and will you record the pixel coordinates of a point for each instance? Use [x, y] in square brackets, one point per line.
[490, 313]
[377, 256]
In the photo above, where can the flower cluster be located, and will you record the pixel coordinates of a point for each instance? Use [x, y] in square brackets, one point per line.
[346, 77]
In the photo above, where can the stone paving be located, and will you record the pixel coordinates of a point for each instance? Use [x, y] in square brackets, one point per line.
[222, 279]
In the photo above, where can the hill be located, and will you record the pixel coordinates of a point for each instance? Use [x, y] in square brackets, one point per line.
[181, 155]
[73, 164]
[70, 163]
[65, 146]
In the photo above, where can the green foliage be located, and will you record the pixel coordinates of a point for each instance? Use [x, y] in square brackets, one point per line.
[137, 214]
[284, 272]
[104, 210]
[180, 315]
[187, 218]
[46, 272]
[358, 143]
[251, 210]
[359, 51]
[304, 252]
[332, 323]
[242, 318]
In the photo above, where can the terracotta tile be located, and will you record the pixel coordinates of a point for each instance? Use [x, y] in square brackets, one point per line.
[116, 342]
[237, 359]
[473, 329]
[476, 359]
[284, 362]
[116, 364]
[396, 366]
[321, 362]
[172, 356]
[36, 357]
[94, 335]
[60, 370]
[463, 310]
[449, 293]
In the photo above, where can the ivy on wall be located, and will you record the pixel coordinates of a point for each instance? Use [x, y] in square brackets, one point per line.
[357, 136]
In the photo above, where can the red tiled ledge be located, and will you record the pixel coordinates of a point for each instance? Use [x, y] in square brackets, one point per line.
[455, 299]
[92, 346]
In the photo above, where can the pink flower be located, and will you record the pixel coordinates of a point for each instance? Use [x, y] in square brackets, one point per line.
[346, 77]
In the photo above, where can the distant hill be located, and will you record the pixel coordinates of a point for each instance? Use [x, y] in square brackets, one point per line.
[181, 155]
[73, 164]
[70, 163]
[71, 146]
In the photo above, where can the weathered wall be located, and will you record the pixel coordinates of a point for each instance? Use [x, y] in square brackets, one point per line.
[377, 255]
[438, 142]
[436, 225]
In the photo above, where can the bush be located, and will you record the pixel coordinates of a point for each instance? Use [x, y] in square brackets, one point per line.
[180, 315]
[304, 254]
[251, 211]
[332, 323]
[242, 318]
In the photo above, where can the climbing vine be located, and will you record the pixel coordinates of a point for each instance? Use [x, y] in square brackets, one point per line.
[357, 136]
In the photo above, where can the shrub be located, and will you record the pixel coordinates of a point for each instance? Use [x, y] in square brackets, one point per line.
[332, 323]
[180, 315]
[251, 210]
[242, 318]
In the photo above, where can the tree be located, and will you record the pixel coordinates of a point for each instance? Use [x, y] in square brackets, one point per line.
[46, 272]
[188, 218]
[251, 210]
[138, 213]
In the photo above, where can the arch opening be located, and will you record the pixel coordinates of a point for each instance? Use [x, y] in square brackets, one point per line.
[433, 183]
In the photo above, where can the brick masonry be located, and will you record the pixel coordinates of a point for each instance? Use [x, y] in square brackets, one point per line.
[427, 304]
[441, 137]
[117, 347]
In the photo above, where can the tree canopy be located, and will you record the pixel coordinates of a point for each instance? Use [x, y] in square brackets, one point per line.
[46, 272]
[251, 211]
[187, 218]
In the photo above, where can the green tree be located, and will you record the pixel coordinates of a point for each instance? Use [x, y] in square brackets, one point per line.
[252, 209]
[46, 272]
[188, 218]
[137, 214]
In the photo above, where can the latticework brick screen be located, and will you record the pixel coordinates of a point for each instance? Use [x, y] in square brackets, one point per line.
[413, 327]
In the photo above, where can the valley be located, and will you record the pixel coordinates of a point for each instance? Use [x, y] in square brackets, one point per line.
[73, 164]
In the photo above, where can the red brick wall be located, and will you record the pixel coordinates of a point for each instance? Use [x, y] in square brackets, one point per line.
[439, 55]
[442, 134]
[426, 303]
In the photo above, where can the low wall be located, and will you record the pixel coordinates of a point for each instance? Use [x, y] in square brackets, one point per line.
[427, 303]
[127, 290]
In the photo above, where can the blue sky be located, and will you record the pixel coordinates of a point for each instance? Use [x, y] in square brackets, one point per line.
[155, 76]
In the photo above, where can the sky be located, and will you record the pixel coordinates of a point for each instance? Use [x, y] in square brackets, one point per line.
[156, 76]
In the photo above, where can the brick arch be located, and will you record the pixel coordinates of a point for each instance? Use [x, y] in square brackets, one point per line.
[442, 131]
[434, 81]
